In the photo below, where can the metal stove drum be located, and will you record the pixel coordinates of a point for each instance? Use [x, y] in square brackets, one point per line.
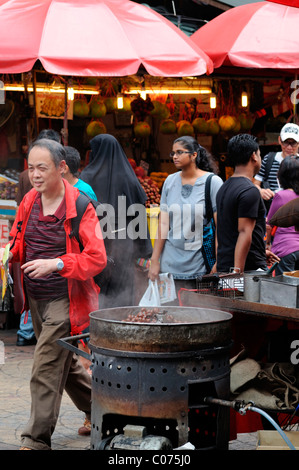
[153, 374]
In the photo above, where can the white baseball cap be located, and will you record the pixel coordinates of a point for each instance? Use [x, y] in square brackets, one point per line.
[290, 131]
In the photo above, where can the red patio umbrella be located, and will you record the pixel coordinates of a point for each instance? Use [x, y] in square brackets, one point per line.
[263, 35]
[94, 38]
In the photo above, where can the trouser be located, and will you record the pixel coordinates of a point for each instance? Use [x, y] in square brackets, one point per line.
[54, 369]
[287, 263]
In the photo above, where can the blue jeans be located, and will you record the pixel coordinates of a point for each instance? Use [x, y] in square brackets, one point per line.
[26, 329]
[287, 263]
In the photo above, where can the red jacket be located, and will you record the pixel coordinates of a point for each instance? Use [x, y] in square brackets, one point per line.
[79, 267]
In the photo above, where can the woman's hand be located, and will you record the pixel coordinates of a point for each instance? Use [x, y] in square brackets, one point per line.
[154, 270]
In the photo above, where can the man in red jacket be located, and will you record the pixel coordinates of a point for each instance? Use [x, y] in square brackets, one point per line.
[60, 291]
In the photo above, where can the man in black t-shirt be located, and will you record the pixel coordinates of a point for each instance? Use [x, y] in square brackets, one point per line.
[241, 212]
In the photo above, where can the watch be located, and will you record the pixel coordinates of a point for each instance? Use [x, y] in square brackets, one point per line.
[59, 265]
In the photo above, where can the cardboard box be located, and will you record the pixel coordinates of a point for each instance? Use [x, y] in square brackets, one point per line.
[272, 440]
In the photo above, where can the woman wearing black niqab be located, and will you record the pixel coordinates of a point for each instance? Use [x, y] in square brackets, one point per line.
[111, 176]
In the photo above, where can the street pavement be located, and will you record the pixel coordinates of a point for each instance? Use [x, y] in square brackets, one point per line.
[15, 370]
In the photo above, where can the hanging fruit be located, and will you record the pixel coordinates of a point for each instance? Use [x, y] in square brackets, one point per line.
[213, 126]
[142, 129]
[160, 110]
[237, 127]
[246, 121]
[168, 126]
[111, 104]
[97, 108]
[227, 123]
[94, 128]
[109, 87]
[141, 108]
[200, 125]
[81, 108]
[184, 128]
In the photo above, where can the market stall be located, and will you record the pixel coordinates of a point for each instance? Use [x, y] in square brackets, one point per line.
[265, 338]
[146, 107]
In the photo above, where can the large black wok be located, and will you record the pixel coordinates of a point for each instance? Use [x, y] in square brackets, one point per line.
[175, 329]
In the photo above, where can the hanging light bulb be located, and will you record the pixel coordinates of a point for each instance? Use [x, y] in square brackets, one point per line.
[213, 100]
[143, 92]
[244, 99]
[70, 93]
[120, 99]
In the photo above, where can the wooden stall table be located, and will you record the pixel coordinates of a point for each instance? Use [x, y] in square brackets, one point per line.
[265, 331]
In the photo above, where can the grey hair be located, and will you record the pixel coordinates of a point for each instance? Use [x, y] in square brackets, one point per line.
[55, 149]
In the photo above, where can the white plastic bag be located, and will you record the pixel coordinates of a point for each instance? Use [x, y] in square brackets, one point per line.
[151, 297]
[166, 286]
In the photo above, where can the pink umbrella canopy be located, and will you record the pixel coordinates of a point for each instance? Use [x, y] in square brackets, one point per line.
[94, 38]
[263, 35]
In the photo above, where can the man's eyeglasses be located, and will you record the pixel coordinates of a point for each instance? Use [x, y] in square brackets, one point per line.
[286, 143]
[178, 152]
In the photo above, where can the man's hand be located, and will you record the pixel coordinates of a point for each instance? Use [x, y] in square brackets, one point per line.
[271, 257]
[266, 194]
[40, 267]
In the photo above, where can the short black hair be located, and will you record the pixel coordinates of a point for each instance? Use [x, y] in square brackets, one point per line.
[288, 173]
[241, 147]
[72, 159]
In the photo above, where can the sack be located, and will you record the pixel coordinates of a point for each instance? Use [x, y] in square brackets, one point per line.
[103, 278]
[287, 215]
[151, 297]
[208, 240]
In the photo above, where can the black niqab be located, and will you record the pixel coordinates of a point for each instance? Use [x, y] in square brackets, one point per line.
[110, 174]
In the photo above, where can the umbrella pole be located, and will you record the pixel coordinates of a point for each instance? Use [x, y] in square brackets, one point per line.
[295, 103]
[35, 104]
[65, 129]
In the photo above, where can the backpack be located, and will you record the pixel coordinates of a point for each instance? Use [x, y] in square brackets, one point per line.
[103, 278]
[269, 164]
[209, 230]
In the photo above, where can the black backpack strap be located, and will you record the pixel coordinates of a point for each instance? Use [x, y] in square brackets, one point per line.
[19, 228]
[82, 202]
[209, 209]
[269, 163]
